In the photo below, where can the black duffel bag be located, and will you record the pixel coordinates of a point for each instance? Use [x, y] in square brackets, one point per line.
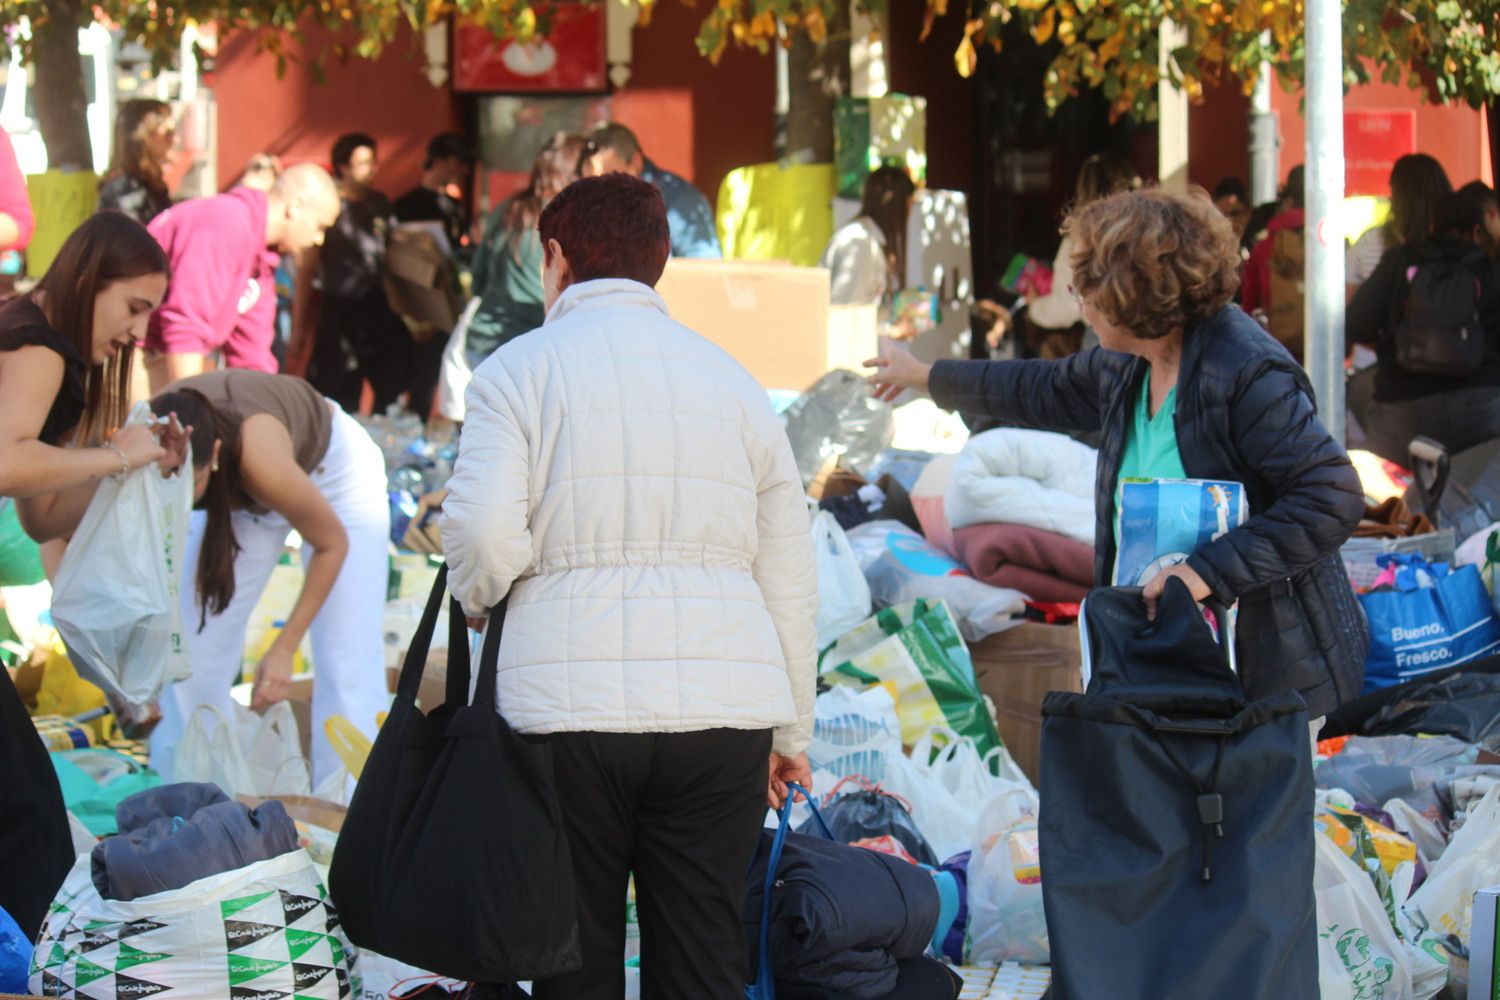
[453, 856]
[1175, 828]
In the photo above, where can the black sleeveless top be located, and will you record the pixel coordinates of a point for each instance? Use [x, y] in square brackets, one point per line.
[22, 323]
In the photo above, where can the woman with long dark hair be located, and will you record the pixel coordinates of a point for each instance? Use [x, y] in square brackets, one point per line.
[272, 454]
[65, 352]
[508, 267]
[135, 182]
[867, 258]
[1418, 185]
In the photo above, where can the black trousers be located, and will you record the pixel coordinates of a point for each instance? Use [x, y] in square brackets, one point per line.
[683, 811]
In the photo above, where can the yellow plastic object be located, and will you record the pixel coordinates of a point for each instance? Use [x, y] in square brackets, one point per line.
[299, 659]
[66, 694]
[771, 212]
[352, 746]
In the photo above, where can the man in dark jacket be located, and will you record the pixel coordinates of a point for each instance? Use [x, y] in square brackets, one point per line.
[1244, 412]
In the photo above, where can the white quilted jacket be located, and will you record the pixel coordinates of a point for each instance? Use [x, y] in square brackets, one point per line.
[627, 482]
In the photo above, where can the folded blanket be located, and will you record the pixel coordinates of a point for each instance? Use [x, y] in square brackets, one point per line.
[1035, 478]
[1040, 564]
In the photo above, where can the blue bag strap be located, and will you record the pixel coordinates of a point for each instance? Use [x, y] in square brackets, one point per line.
[764, 987]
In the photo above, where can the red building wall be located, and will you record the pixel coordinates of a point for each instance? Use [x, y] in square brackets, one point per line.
[925, 69]
[298, 118]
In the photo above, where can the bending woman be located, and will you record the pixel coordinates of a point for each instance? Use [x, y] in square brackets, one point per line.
[65, 352]
[270, 455]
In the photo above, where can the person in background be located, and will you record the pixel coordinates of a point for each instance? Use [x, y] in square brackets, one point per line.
[619, 470]
[345, 332]
[613, 148]
[1457, 412]
[1233, 202]
[135, 182]
[1489, 207]
[1418, 184]
[65, 357]
[260, 172]
[508, 265]
[866, 258]
[223, 251]
[1101, 175]
[1188, 386]
[1255, 287]
[272, 455]
[439, 198]
[17, 222]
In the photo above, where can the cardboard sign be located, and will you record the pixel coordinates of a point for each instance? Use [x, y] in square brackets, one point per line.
[1374, 139]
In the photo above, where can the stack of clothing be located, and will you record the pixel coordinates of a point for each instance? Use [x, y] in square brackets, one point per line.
[1016, 508]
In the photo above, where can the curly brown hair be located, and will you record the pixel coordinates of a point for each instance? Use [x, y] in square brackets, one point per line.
[1154, 262]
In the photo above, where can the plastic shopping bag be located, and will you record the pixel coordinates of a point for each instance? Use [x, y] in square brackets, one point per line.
[94, 780]
[1360, 955]
[901, 565]
[837, 417]
[1429, 618]
[1006, 918]
[843, 592]
[917, 648]
[246, 754]
[855, 733]
[264, 930]
[1443, 906]
[15, 955]
[115, 601]
[454, 374]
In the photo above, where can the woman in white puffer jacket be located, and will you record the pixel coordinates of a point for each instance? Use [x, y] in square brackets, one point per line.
[626, 482]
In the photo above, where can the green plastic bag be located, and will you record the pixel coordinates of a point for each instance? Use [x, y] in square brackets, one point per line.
[916, 650]
[96, 780]
[20, 557]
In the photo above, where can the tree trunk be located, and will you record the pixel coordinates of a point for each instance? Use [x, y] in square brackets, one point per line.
[61, 101]
[817, 76]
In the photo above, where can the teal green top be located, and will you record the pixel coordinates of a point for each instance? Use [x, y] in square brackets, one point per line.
[1150, 443]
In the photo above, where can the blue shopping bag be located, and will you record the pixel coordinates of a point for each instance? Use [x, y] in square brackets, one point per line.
[1432, 618]
[764, 987]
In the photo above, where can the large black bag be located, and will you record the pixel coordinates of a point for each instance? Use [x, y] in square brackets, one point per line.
[1176, 830]
[1437, 327]
[453, 856]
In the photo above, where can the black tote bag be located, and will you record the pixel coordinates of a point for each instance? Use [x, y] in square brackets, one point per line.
[1175, 829]
[453, 856]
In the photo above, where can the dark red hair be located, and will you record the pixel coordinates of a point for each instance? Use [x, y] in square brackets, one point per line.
[613, 226]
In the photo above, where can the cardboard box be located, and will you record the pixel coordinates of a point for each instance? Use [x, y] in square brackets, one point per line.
[773, 318]
[1016, 669]
[433, 690]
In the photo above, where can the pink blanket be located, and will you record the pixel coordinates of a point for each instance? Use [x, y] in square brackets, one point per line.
[1040, 564]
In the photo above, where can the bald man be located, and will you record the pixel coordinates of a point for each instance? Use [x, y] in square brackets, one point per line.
[224, 251]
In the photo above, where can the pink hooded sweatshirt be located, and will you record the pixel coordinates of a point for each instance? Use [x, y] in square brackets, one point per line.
[222, 295]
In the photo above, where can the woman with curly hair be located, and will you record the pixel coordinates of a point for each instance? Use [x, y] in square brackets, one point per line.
[1185, 384]
[134, 183]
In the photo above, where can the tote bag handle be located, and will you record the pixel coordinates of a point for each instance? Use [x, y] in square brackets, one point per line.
[764, 987]
[459, 661]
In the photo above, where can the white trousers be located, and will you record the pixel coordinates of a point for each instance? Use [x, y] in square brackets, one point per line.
[348, 648]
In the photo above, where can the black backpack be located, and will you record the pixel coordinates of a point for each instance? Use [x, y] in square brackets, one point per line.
[1437, 326]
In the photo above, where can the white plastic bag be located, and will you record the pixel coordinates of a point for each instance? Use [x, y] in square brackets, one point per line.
[115, 600]
[1006, 918]
[265, 930]
[1444, 904]
[900, 565]
[945, 821]
[454, 374]
[247, 754]
[1359, 953]
[843, 592]
[855, 733]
